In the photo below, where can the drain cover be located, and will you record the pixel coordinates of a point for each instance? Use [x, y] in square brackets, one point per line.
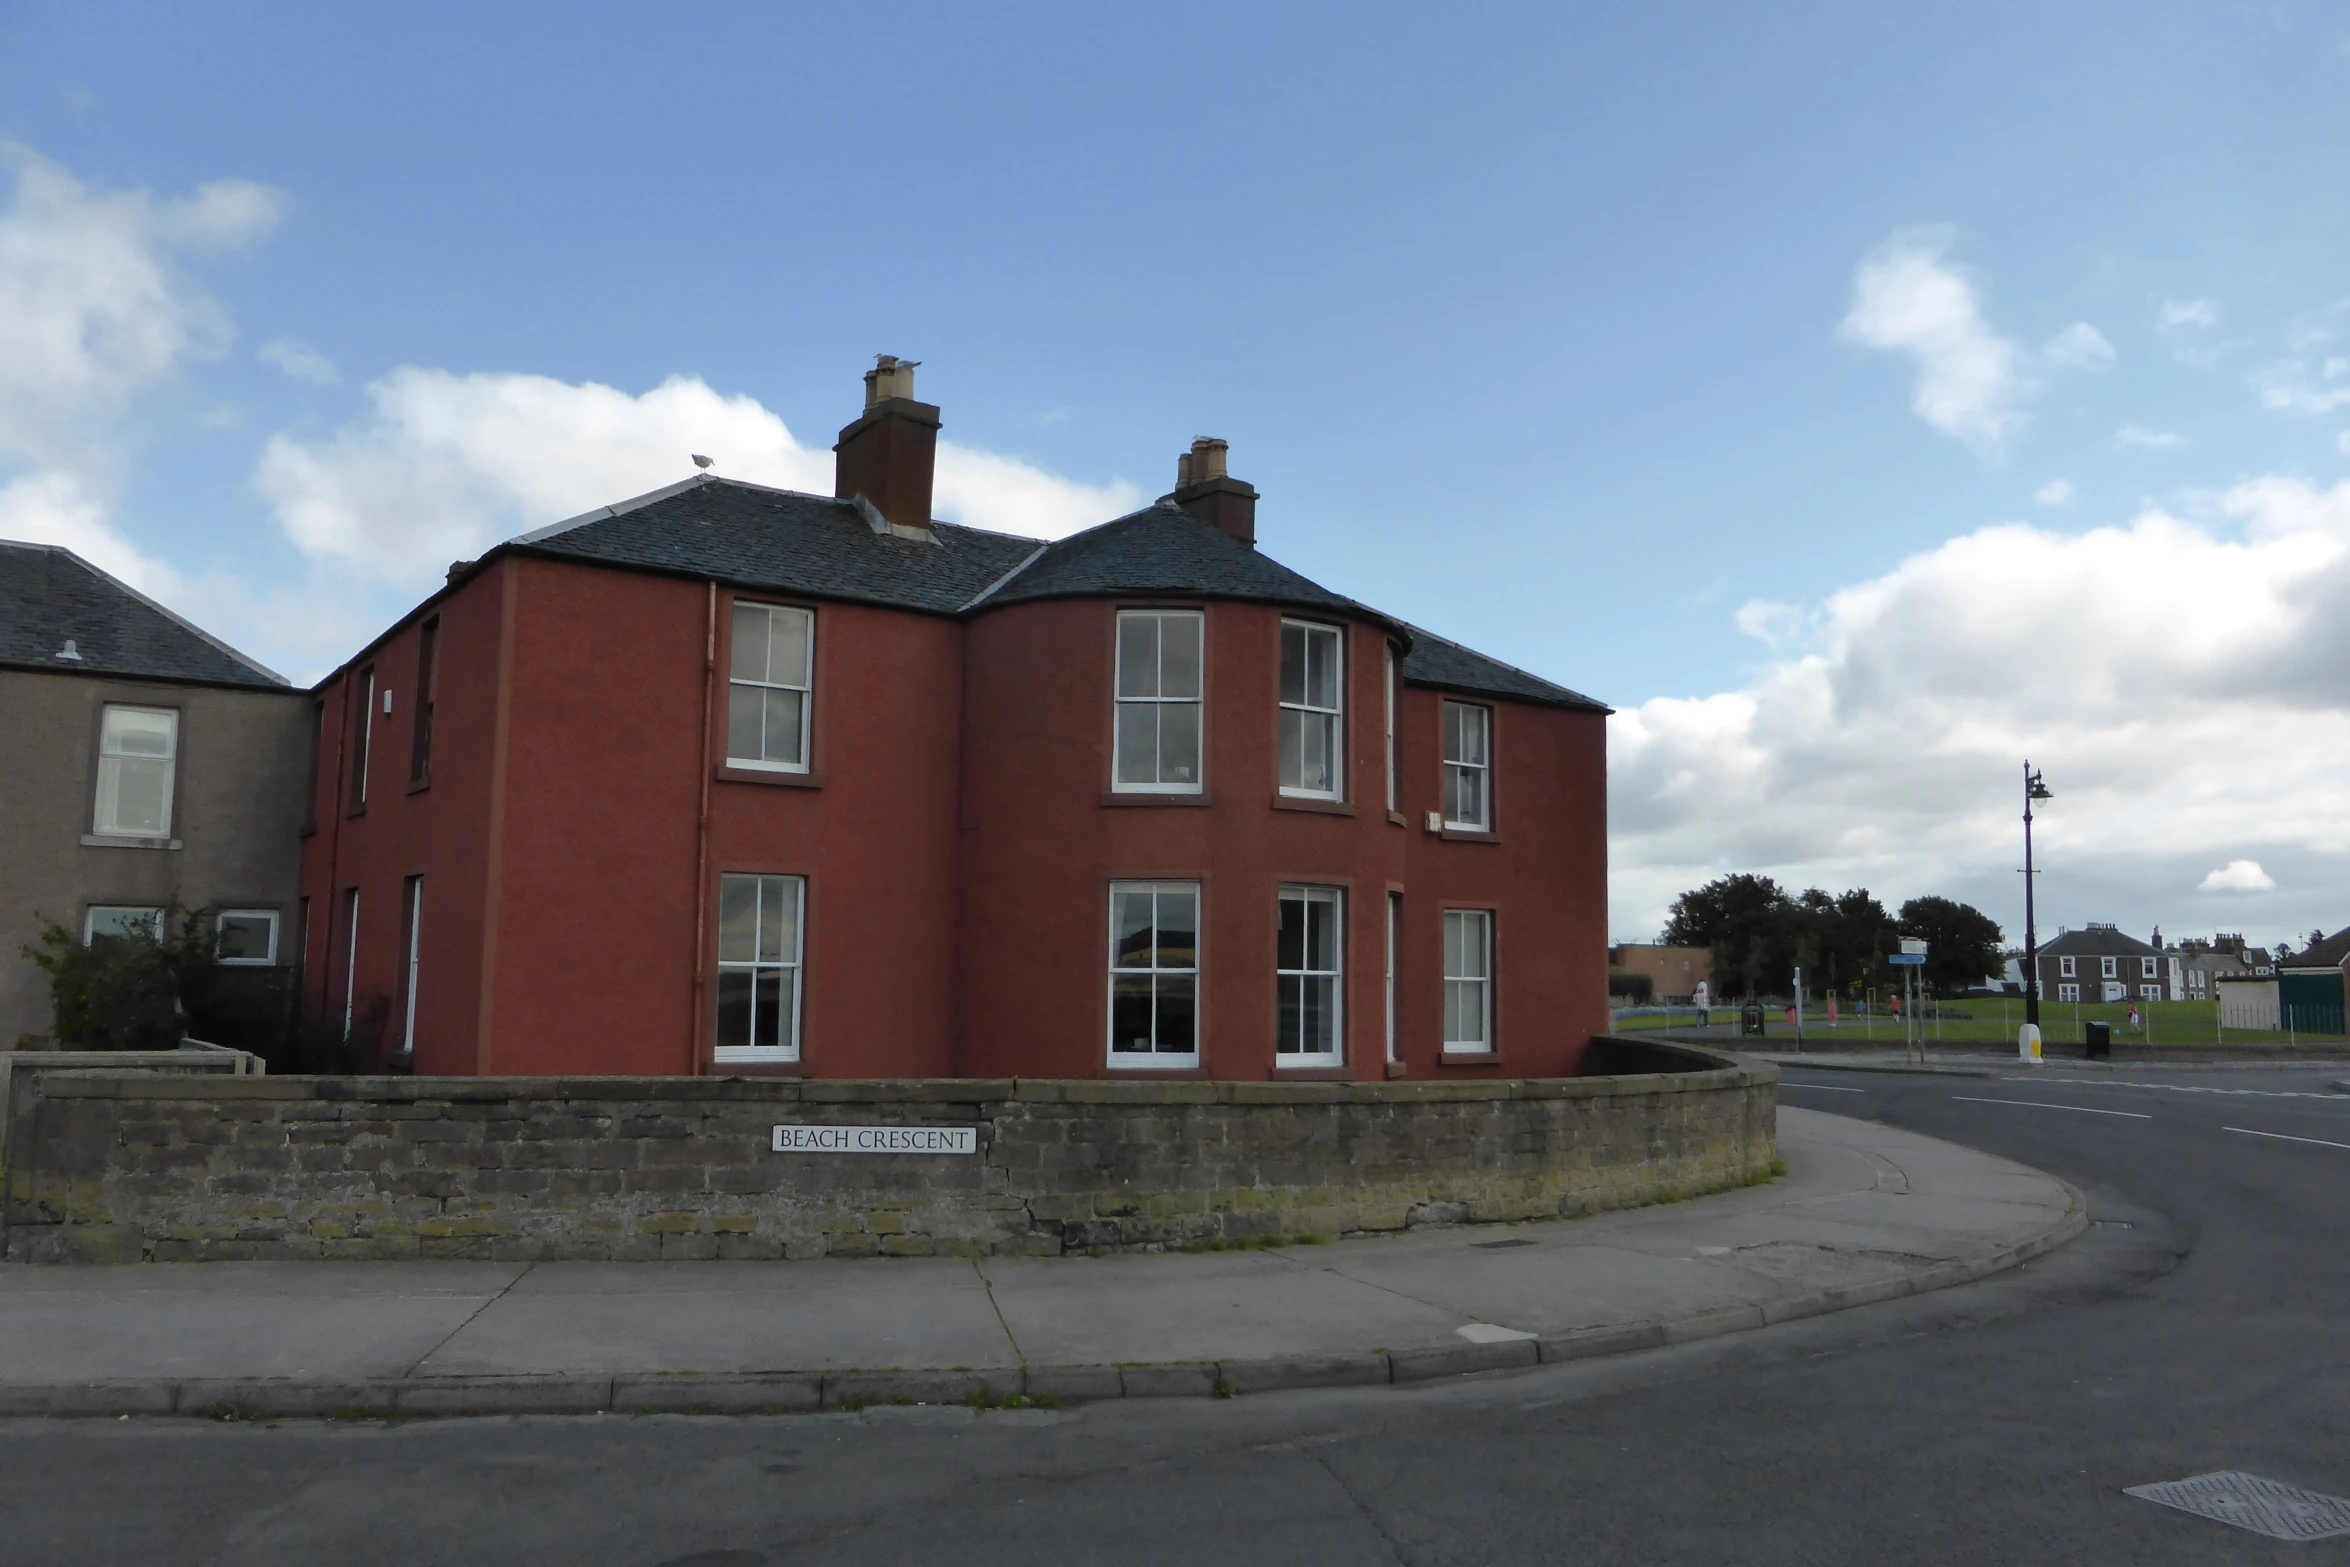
[2270, 1507]
[1498, 1245]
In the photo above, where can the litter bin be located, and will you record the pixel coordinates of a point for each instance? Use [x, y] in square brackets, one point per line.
[2098, 1041]
[1750, 1022]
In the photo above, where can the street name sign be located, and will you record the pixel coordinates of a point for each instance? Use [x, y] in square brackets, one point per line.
[1908, 959]
[877, 1139]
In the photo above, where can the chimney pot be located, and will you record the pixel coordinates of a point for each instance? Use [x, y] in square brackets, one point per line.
[889, 455]
[1204, 488]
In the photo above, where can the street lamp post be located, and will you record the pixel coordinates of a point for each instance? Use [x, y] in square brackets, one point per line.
[2034, 789]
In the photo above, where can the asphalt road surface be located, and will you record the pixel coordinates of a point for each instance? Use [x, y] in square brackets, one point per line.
[2202, 1324]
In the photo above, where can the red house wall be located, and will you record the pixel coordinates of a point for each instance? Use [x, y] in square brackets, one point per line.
[957, 830]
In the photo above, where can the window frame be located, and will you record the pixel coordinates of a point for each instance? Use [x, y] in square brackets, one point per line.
[794, 1049]
[428, 680]
[1308, 895]
[99, 826]
[362, 737]
[2109, 968]
[2070, 993]
[1394, 747]
[412, 946]
[1484, 770]
[807, 693]
[2148, 969]
[1119, 701]
[275, 926]
[1334, 715]
[350, 959]
[1155, 1059]
[2066, 968]
[2149, 992]
[1394, 936]
[90, 918]
[1484, 1045]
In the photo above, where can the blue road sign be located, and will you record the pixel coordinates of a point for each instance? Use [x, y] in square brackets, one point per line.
[1908, 959]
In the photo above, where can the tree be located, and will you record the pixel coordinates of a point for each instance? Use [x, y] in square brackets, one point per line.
[1746, 921]
[1962, 942]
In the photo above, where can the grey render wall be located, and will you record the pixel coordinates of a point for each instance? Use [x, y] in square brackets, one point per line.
[236, 812]
[123, 1168]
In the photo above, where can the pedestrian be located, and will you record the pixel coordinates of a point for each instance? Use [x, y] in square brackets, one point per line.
[2134, 1023]
[1703, 999]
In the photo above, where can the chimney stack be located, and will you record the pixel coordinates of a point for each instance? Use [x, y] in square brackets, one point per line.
[1208, 492]
[889, 455]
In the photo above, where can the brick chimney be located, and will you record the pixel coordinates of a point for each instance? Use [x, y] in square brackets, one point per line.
[890, 454]
[1204, 489]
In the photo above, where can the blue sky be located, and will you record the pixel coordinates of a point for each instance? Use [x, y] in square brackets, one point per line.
[1723, 362]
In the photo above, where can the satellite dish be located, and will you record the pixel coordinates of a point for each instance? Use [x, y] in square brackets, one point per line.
[700, 461]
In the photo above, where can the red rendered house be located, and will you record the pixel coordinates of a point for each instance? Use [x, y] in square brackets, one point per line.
[732, 780]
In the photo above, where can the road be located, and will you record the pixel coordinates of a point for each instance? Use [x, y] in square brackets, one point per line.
[2202, 1324]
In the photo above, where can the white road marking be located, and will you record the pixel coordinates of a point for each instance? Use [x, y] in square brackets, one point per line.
[2038, 1104]
[2184, 1088]
[2284, 1137]
[1825, 1088]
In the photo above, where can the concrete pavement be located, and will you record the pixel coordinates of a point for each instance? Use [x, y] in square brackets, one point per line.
[1866, 1212]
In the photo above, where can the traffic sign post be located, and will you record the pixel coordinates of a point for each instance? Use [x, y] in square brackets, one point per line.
[1910, 959]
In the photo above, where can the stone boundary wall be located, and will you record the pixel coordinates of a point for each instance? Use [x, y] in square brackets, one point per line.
[124, 1169]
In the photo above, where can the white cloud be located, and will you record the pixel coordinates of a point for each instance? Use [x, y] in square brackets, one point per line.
[2056, 492]
[2238, 876]
[94, 308]
[2138, 438]
[2180, 315]
[2298, 387]
[2079, 347]
[1907, 299]
[2178, 680]
[448, 465]
[298, 360]
[58, 508]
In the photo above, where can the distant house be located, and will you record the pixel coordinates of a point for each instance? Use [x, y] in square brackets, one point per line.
[2311, 985]
[146, 761]
[2100, 964]
[1675, 971]
[2203, 964]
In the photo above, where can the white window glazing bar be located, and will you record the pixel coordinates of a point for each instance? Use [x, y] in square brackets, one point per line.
[1313, 724]
[770, 692]
[1159, 704]
[1309, 977]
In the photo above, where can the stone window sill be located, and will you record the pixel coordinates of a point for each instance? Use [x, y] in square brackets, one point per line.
[758, 1069]
[1154, 1074]
[93, 840]
[1289, 802]
[1140, 798]
[760, 775]
[1469, 1058]
[1396, 1069]
[1456, 835]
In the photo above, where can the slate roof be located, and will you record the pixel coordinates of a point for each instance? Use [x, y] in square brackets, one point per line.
[1448, 666]
[752, 536]
[756, 537]
[2329, 953]
[2098, 941]
[49, 595]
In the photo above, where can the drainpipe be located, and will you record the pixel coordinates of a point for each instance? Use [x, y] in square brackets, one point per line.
[693, 1044]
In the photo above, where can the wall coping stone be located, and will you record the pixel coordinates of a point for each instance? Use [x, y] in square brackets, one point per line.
[1733, 1072]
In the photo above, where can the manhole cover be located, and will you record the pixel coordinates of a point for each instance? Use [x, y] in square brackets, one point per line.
[1497, 1245]
[2270, 1507]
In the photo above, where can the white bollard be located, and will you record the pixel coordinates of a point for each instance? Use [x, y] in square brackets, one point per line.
[2027, 1043]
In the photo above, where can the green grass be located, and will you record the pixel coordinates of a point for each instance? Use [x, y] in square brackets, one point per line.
[1984, 1020]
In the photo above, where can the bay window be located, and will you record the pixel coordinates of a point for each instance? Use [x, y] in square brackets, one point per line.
[1154, 973]
[1312, 710]
[1156, 734]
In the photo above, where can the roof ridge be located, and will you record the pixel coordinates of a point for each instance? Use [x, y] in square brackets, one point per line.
[1026, 561]
[165, 610]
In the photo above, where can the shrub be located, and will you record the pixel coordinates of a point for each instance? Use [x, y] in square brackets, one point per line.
[1639, 988]
[125, 992]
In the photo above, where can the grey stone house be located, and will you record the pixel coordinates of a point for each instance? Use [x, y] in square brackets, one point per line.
[2101, 965]
[142, 761]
